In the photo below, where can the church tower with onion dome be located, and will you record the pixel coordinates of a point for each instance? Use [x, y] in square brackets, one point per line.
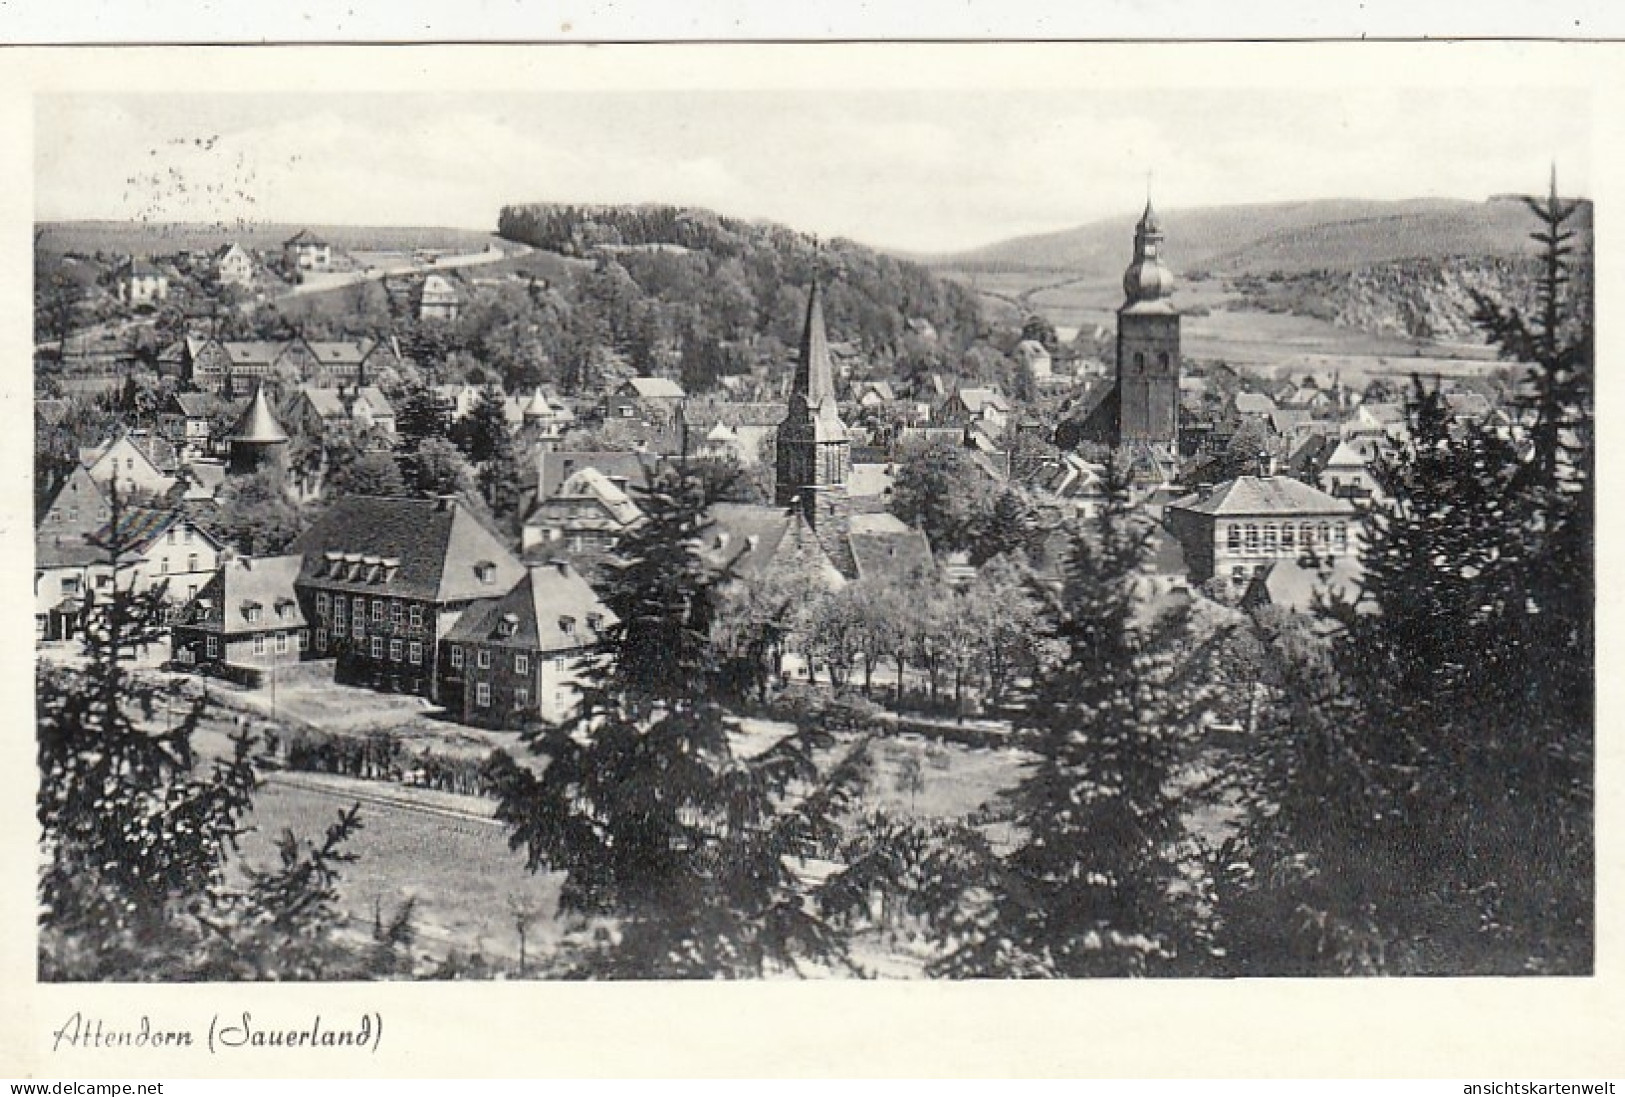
[1148, 344]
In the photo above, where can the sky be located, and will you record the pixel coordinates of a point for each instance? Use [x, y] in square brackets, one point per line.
[921, 171]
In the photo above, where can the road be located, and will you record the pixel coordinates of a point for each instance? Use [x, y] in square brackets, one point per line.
[322, 283]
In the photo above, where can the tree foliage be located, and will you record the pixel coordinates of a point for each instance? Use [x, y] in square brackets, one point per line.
[139, 830]
[680, 854]
[1452, 731]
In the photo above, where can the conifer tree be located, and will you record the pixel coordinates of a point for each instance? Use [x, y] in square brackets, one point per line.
[679, 854]
[138, 830]
[1449, 744]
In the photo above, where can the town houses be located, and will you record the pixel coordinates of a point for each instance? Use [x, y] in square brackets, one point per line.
[429, 592]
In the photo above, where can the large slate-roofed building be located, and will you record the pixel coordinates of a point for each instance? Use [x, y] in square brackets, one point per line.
[384, 579]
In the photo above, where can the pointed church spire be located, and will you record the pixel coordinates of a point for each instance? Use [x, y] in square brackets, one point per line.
[815, 378]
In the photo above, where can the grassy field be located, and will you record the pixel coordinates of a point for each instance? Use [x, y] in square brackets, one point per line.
[461, 872]
[1217, 328]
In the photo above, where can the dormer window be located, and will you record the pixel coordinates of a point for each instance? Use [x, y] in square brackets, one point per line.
[251, 612]
[567, 625]
[595, 622]
[507, 625]
[485, 571]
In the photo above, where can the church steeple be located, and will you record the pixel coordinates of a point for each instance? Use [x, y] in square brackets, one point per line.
[1146, 279]
[814, 452]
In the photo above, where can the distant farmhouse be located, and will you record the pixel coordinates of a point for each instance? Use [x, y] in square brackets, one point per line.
[232, 265]
[305, 251]
[139, 282]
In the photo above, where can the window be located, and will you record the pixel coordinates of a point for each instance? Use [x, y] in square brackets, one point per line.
[414, 652]
[259, 643]
[191, 561]
[358, 626]
[396, 649]
[378, 609]
[189, 535]
[482, 694]
[282, 643]
[376, 650]
[360, 606]
[395, 613]
[483, 659]
[456, 657]
[1252, 538]
[485, 571]
[1308, 537]
[321, 604]
[73, 515]
[70, 584]
[1288, 533]
[1233, 538]
[415, 616]
[304, 640]
[1341, 533]
[251, 613]
[163, 565]
[595, 621]
[1325, 535]
[1269, 537]
[1238, 576]
[567, 625]
[521, 697]
[521, 663]
[321, 639]
[1139, 362]
[338, 614]
[212, 646]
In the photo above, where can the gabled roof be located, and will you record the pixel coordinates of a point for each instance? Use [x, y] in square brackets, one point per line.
[765, 413]
[556, 467]
[1291, 584]
[882, 389]
[590, 483]
[977, 399]
[255, 352]
[1382, 413]
[340, 352]
[305, 238]
[1286, 420]
[533, 615]
[885, 549]
[195, 405]
[438, 548]
[1264, 495]
[250, 583]
[139, 268]
[1253, 403]
[78, 489]
[655, 388]
[1346, 455]
[142, 526]
[746, 536]
[153, 447]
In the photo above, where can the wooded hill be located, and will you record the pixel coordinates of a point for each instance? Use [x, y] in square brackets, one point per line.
[1285, 237]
